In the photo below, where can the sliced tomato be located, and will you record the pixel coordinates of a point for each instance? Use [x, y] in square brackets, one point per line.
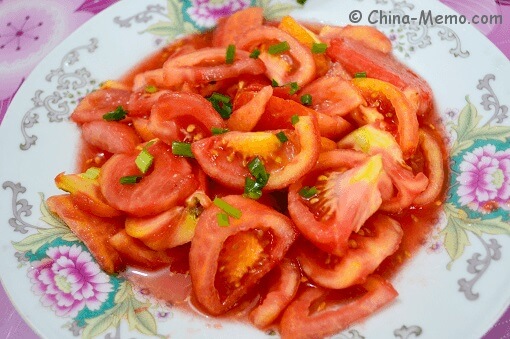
[98, 103]
[296, 65]
[153, 77]
[371, 37]
[86, 194]
[298, 321]
[225, 157]
[245, 118]
[141, 102]
[166, 184]
[280, 294]
[207, 65]
[375, 241]
[347, 194]
[356, 57]
[226, 262]
[230, 30]
[141, 126]
[372, 140]
[183, 117]
[94, 231]
[110, 136]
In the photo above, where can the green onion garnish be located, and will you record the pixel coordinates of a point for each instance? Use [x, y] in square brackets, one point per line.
[144, 160]
[306, 99]
[130, 179]
[219, 130]
[151, 89]
[301, 2]
[227, 208]
[221, 103]
[307, 192]
[182, 149]
[274, 83]
[255, 54]
[294, 119]
[119, 114]
[252, 189]
[278, 48]
[319, 48]
[231, 53]
[282, 137]
[223, 219]
[92, 173]
[257, 169]
[360, 75]
[294, 87]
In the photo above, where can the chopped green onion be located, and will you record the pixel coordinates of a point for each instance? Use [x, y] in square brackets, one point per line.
[360, 75]
[252, 189]
[282, 137]
[144, 160]
[231, 53]
[307, 192]
[130, 179]
[301, 2]
[182, 149]
[274, 83]
[227, 208]
[119, 114]
[255, 54]
[223, 219]
[221, 103]
[91, 173]
[278, 48]
[306, 99]
[257, 169]
[219, 130]
[319, 48]
[294, 119]
[294, 87]
[151, 89]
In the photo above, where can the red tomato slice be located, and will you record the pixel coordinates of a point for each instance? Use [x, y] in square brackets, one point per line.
[225, 157]
[110, 136]
[98, 103]
[208, 64]
[245, 118]
[183, 117]
[94, 231]
[226, 262]
[371, 37]
[231, 29]
[356, 57]
[299, 322]
[298, 65]
[347, 185]
[167, 184]
[280, 294]
[141, 102]
[141, 126]
[377, 239]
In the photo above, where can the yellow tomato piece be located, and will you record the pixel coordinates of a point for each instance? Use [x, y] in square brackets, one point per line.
[253, 144]
[370, 171]
[302, 34]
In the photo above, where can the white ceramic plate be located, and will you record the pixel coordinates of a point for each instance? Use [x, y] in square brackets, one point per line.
[456, 286]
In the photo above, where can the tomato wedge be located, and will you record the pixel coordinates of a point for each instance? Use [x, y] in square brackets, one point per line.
[110, 136]
[347, 193]
[167, 184]
[377, 239]
[231, 29]
[297, 65]
[226, 262]
[245, 118]
[225, 157]
[98, 103]
[183, 117]
[369, 36]
[297, 321]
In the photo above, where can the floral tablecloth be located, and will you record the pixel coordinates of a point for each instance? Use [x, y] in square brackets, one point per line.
[29, 30]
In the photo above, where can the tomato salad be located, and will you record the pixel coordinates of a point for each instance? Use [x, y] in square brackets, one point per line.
[287, 169]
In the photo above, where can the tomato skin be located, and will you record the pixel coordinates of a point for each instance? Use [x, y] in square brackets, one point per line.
[245, 118]
[98, 103]
[174, 112]
[110, 136]
[209, 239]
[298, 323]
[167, 184]
[359, 261]
[231, 29]
[367, 35]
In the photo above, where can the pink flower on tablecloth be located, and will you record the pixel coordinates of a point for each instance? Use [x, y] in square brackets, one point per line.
[68, 281]
[205, 13]
[485, 179]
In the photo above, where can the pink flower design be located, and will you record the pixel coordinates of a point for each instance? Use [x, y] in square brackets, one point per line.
[485, 179]
[205, 13]
[68, 281]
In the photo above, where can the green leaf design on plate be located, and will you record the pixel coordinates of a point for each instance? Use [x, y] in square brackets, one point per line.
[126, 306]
[175, 26]
[468, 131]
[275, 11]
[45, 235]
